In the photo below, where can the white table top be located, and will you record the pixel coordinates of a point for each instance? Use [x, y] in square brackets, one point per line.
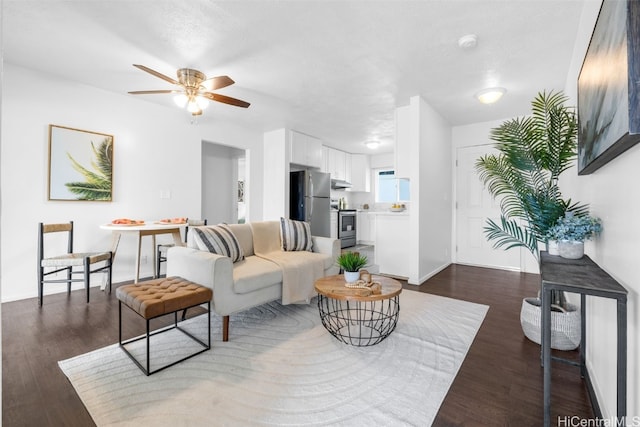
[148, 225]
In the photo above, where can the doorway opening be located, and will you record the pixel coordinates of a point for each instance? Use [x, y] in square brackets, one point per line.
[224, 184]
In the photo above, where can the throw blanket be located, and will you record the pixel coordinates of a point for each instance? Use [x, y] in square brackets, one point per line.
[300, 269]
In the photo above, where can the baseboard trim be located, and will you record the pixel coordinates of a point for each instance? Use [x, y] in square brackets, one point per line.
[595, 405]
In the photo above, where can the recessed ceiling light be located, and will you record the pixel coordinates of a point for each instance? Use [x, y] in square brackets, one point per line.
[372, 145]
[468, 42]
[490, 95]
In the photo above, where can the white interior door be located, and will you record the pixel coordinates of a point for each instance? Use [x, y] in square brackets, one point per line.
[474, 205]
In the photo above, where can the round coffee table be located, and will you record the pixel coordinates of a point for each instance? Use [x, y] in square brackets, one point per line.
[355, 316]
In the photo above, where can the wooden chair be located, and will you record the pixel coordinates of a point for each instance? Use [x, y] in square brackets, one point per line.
[162, 249]
[82, 262]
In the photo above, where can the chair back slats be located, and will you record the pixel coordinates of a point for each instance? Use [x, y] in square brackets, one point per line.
[54, 228]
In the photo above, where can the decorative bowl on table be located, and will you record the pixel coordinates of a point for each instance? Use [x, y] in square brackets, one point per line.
[173, 221]
[127, 221]
[400, 209]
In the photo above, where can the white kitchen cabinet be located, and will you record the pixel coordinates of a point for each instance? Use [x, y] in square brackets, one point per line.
[364, 228]
[337, 164]
[402, 151]
[325, 159]
[305, 150]
[347, 167]
[333, 224]
[360, 178]
[392, 248]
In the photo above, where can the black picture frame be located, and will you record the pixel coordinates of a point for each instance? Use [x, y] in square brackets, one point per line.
[609, 87]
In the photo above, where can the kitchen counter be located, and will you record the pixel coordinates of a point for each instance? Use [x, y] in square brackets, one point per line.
[405, 212]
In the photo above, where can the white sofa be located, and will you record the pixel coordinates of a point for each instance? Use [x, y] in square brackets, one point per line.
[254, 280]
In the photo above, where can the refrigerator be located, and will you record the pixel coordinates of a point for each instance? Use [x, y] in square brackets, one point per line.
[309, 200]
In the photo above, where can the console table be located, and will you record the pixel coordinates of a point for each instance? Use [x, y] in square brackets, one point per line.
[584, 277]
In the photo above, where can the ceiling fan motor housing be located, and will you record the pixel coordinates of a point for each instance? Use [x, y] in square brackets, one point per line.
[190, 78]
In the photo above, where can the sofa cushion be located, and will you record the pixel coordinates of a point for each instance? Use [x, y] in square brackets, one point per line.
[255, 273]
[295, 235]
[218, 239]
[244, 234]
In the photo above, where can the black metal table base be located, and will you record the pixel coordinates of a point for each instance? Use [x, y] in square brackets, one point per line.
[586, 278]
[146, 369]
[359, 323]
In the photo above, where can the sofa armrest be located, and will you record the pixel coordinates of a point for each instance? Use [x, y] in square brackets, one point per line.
[326, 245]
[201, 267]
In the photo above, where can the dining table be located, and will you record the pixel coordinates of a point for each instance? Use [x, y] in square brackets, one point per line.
[151, 228]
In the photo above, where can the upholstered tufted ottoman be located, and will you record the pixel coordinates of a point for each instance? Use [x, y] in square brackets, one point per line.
[155, 298]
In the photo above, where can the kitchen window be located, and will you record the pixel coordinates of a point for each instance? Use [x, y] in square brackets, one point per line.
[390, 189]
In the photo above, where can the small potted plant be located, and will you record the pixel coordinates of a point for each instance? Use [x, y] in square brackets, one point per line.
[571, 231]
[351, 263]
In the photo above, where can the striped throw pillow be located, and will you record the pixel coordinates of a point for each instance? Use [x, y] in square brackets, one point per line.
[218, 239]
[295, 235]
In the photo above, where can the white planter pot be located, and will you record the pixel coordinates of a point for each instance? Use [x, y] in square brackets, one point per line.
[571, 249]
[565, 327]
[351, 276]
[552, 247]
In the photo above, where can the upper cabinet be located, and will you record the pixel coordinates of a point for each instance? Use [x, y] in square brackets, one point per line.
[403, 149]
[353, 168]
[360, 173]
[305, 150]
[335, 163]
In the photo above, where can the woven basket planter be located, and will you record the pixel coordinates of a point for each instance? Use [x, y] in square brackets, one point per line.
[565, 327]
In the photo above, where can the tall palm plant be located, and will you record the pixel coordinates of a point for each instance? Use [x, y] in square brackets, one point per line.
[534, 151]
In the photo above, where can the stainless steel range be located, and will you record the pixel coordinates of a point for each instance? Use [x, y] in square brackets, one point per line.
[347, 227]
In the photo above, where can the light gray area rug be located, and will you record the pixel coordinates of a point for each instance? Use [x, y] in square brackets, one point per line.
[281, 367]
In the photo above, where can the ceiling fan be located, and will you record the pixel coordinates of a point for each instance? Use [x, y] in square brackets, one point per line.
[194, 90]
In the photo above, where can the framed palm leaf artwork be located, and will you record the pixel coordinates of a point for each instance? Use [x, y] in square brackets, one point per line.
[80, 165]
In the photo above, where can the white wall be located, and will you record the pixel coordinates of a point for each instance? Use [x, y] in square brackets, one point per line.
[428, 166]
[612, 194]
[155, 148]
[432, 208]
[276, 174]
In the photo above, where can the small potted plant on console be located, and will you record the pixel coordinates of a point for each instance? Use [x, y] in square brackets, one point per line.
[571, 231]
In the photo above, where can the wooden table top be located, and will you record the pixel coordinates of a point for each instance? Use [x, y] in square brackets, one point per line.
[334, 287]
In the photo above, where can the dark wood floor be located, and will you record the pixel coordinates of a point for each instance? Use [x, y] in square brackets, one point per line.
[499, 383]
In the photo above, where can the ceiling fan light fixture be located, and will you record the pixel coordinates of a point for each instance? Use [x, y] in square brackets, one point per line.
[490, 95]
[193, 93]
[193, 107]
[202, 102]
[181, 100]
[372, 145]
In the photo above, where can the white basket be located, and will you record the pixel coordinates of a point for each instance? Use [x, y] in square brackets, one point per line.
[565, 327]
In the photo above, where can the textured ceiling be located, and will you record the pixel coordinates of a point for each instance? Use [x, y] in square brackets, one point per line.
[332, 69]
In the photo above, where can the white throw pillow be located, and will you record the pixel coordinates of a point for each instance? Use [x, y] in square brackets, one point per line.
[218, 239]
[295, 235]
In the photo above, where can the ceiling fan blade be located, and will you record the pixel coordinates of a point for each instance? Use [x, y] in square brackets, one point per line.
[217, 82]
[225, 99]
[149, 92]
[155, 73]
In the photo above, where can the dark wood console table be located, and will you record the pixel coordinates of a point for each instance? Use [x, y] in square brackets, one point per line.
[584, 277]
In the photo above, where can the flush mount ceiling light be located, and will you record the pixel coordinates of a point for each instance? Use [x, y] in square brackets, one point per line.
[468, 42]
[372, 145]
[490, 95]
